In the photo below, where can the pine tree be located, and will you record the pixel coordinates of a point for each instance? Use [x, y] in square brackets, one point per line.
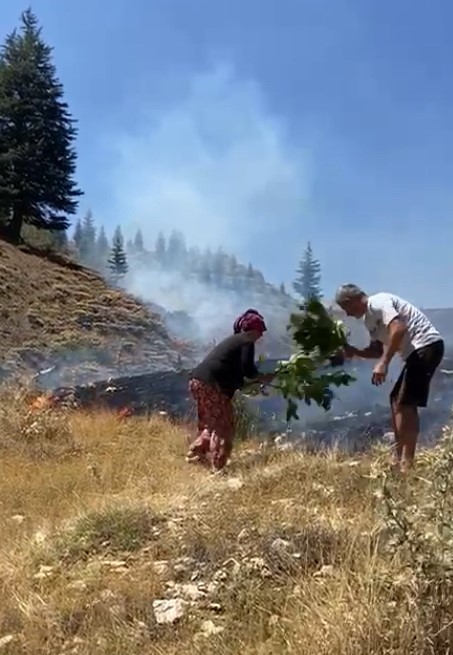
[60, 239]
[102, 250]
[37, 157]
[161, 249]
[282, 289]
[139, 245]
[308, 281]
[117, 262]
[205, 273]
[176, 250]
[87, 246]
[77, 236]
[219, 267]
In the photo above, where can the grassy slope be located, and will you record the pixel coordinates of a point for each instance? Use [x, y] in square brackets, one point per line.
[49, 312]
[288, 548]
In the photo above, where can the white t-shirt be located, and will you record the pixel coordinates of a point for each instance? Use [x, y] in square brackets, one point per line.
[384, 307]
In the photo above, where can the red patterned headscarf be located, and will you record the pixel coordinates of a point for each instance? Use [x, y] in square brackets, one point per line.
[248, 321]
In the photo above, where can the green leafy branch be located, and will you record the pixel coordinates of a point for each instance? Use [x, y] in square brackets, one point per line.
[304, 377]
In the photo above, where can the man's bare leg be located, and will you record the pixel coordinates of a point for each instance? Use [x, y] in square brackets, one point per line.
[397, 453]
[407, 426]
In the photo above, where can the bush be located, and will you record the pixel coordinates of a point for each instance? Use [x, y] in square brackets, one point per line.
[418, 519]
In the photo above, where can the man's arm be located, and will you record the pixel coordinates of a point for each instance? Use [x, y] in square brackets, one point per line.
[397, 330]
[373, 351]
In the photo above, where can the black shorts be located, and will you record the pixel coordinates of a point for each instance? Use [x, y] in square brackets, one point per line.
[412, 386]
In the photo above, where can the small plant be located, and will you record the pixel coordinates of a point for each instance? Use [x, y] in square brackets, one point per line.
[112, 531]
[419, 518]
[245, 418]
[317, 337]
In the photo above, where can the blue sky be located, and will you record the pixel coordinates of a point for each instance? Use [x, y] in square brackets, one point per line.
[260, 124]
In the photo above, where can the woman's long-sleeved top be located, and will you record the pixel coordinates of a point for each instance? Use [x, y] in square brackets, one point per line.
[227, 366]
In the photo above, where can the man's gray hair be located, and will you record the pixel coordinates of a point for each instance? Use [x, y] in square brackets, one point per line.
[348, 292]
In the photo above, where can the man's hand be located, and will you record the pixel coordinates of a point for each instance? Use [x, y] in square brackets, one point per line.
[379, 373]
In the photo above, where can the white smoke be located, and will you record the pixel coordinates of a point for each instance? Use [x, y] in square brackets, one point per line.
[216, 165]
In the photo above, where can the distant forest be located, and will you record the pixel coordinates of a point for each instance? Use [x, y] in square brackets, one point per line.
[114, 258]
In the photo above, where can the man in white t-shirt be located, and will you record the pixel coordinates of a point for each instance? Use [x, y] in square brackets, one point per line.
[396, 326]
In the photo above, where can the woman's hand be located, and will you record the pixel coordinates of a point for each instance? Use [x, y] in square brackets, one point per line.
[265, 378]
[349, 351]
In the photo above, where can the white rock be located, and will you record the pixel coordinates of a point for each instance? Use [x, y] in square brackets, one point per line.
[235, 483]
[189, 592]
[220, 576]
[215, 607]
[18, 518]
[7, 639]
[324, 572]
[243, 534]
[39, 537]
[212, 588]
[208, 628]
[280, 545]
[161, 567]
[114, 564]
[169, 611]
[78, 585]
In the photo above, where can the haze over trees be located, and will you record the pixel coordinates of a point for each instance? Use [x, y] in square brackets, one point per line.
[169, 254]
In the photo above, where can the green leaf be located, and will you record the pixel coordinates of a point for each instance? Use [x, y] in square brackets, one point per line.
[316, 337]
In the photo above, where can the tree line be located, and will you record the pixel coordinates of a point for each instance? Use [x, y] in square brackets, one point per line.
[38, 191]
[171, 254]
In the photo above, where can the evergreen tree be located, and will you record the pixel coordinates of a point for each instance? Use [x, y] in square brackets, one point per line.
[308, 281]
[139, 245]
[282, 289]
[161, 249]
[37, 157]
[87, 246]
[117, 262]
[205, 273]
[219, 267]
[193, 261]
[77, 237]
[176, 250]
[60, 239]
[102, 250]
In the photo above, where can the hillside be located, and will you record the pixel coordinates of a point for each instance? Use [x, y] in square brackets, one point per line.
[113, 544]
[60, 314]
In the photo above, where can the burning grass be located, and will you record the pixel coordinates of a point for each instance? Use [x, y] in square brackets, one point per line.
[288, 553]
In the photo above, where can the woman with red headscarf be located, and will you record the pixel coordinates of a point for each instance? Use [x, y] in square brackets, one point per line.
[213, 384]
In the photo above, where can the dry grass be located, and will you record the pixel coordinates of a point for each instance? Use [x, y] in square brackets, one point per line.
[55, 311]
[292, 553]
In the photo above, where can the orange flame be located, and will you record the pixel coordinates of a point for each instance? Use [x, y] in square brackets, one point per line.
[42, 402]
[123, 413]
